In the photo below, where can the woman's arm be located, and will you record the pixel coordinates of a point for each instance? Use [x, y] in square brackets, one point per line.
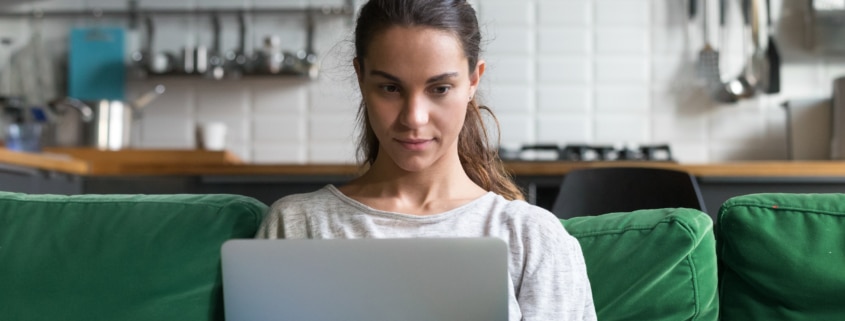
[554, 283]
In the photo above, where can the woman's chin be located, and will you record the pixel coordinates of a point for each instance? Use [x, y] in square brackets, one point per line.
[414, 162]
[413, 166]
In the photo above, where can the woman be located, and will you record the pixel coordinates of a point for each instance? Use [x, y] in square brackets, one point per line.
[429, 169]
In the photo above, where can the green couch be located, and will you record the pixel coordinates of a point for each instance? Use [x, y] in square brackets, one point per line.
[772, 257]
[117, 257]
[156, 257]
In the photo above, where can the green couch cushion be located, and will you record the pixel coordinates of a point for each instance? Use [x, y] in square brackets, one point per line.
[117, 257]
[782, 257]
[650, 264]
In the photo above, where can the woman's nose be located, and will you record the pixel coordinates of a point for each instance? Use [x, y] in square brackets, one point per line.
[415, 112]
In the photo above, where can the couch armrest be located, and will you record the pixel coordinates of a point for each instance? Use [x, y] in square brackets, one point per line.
[650, 264]
[782, 257]
[117, 257]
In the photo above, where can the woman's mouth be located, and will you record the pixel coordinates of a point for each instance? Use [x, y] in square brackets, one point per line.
[414, 144]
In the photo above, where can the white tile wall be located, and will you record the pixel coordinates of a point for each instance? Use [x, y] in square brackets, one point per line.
[561, 98]
[565, 69]
[620, 128]
[624, 99]
[554, 128]
[573, 13]
[619, 13]
[515, 127]
[559, 71]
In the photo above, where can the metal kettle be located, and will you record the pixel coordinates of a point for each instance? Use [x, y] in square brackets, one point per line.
[102, 124]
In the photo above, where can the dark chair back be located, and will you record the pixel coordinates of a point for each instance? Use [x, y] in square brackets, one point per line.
[595, 191]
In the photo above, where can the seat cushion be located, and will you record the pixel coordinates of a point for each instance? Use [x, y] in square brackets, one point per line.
[650, 264]
[117, 257]
[782, 257]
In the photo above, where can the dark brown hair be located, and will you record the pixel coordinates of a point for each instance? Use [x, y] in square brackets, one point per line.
[479, 160]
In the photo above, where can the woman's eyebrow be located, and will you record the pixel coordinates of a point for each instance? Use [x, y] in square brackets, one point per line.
[437, 78]
[385, 75]
[442, 77]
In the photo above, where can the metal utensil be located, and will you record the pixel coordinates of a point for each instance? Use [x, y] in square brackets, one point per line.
[708, 57]
[270, 59]
[146, 98]
[744, 85]
[236, 61]
[161, 62]
[309, 65]
[200, 59]
[720, 90]
[141, 58]
[772, 56]
[216, 60]
[188, 63]
[693, 8]
[759, 37]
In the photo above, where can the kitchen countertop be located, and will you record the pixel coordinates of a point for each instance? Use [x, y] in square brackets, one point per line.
[90, 162]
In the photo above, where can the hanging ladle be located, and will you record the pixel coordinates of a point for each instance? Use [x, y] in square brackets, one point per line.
[745, 85]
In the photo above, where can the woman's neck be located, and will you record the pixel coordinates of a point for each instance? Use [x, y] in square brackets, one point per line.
[436, 189]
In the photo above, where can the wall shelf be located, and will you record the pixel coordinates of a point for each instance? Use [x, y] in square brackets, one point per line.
[134, 12]
[99, 13]
[137, 17]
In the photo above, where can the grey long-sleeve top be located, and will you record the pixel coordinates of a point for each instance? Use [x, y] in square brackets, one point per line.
[548, 277]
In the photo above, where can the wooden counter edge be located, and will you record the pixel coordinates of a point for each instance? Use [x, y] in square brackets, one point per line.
[135, 156]
[737, 169]
[226, 164]
[52, 162]
[729, 169]
[222, 169]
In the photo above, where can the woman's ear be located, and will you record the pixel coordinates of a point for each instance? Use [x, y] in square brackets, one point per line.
[358, 72]
[475, 77]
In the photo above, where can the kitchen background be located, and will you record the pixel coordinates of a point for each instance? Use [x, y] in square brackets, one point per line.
[559, 71]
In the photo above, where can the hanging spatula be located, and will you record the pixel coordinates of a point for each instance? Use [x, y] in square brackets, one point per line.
[720, 90]
[708, 57]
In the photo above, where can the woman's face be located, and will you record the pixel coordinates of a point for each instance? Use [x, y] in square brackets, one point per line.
[416, 86]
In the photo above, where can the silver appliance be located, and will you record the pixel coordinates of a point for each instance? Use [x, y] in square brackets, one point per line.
[103, 124]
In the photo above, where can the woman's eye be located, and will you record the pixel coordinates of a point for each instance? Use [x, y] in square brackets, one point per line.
[440, 90]
[390, 88]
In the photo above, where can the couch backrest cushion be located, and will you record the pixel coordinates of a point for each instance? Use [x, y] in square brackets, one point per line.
[650, 264]
[117, 257]
[782, 257]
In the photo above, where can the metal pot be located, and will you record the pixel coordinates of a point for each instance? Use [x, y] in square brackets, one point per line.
[103, 124]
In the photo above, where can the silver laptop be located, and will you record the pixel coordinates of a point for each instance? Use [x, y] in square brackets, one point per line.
[452, 279]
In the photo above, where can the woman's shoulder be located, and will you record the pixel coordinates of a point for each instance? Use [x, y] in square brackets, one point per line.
[291, 211]
[522, 214]
[307, 200]
[533, 229]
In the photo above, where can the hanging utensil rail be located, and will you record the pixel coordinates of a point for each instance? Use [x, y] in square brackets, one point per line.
[134, 13]
[97, 13]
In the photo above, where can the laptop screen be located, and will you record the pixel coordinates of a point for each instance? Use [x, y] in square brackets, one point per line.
[415, 279]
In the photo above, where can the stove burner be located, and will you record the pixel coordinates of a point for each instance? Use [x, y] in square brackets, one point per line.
[583, 152]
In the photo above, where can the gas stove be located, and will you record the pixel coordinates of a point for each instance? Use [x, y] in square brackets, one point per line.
[586, 153]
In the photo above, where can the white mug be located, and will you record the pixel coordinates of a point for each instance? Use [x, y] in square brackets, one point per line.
[211, 136]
